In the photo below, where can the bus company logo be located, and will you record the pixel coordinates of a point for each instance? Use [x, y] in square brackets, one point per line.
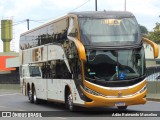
[38, 53]
[119, 94]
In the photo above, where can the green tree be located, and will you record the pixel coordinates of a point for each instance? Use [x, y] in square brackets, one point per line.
[157, 27]
[155, 35]
[143, 29]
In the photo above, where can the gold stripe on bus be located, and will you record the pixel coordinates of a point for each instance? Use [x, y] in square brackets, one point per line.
[112, 92]
[101, 101]
[81, 50]
[111, 100]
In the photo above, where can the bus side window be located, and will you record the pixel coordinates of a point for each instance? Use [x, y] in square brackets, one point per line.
[53, 73]
[62, 71]
[46, 70]
[34, 71]
[76, 66]
[72, 29]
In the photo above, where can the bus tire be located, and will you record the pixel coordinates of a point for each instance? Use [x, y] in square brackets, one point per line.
[31, 96]
[28, 91]
[69, 102]
[122, 107]
[35, 99]
[28, 95]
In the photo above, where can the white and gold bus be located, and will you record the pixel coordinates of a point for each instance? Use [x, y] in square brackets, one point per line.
[90, 59]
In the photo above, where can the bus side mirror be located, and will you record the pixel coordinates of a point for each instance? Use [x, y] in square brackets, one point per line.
[81, 50]
[154, 46]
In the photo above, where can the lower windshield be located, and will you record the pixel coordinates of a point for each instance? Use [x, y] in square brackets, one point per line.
[112, 65]
[109, 32]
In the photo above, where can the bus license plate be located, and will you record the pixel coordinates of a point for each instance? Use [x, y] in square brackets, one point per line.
[120, 104]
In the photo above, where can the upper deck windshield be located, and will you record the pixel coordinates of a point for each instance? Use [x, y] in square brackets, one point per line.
[109, 32]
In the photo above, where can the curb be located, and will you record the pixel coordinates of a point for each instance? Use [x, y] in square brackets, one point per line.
[154, 99]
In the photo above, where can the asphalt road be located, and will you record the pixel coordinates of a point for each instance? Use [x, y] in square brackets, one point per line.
[15, 101]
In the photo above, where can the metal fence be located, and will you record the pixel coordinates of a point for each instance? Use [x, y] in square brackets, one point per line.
[153, 82]
[153, 73]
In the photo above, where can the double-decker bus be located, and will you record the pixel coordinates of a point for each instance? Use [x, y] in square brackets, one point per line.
[89, 59]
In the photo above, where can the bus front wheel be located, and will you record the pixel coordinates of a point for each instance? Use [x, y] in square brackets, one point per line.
[69, 102]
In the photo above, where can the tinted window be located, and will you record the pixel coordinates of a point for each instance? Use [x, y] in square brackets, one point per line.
[107, 32]
[34, 71]
[115, 65]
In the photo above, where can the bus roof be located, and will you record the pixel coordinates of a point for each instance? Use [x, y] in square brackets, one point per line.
[44, 24]
[104, 14]
[91, 14]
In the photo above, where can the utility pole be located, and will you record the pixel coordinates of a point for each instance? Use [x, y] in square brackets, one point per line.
[124, 5]
[96, 5]
[28, 24]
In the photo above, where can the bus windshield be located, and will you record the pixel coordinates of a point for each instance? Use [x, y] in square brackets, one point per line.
[109, 32]
[113, 65]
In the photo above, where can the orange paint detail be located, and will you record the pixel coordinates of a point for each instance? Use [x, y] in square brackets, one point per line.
[3, 63]
[103, 101]
[110, 92]
[81, 50]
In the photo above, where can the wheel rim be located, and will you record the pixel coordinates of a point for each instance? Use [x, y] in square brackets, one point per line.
[70, 102]
[30, 95]
[34, 97]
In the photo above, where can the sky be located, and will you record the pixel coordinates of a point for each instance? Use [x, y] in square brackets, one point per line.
[40, 11]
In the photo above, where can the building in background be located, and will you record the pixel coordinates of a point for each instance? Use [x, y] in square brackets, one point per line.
[8, 74]
[150, 61]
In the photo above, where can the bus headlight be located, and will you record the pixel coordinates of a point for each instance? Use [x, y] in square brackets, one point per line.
[92, 92]
[99, 94]
[143, 89]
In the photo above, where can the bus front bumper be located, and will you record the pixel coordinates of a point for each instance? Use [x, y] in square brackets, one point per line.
[100, 101]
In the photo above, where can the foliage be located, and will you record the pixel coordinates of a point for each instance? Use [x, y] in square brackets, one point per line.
[143, 29]
[155, 35]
